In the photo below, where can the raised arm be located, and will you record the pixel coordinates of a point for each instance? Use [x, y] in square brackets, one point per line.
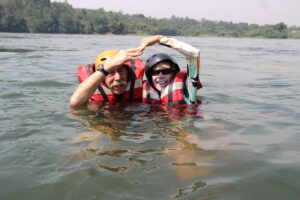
[85, 89]
[192, 55]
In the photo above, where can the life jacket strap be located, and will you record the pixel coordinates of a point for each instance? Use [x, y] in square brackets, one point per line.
[148, 92]
[170, 91]
[132, 80]
[186, 92]
[102, 92]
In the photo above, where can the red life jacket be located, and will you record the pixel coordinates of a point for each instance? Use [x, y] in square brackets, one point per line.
[176, 92]
[133, 90]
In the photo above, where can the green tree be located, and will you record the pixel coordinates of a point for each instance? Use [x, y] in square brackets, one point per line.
[12, 19]
[42, 16]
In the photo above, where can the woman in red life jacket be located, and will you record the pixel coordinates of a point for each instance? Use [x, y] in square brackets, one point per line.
[115, 76]
[166, 82]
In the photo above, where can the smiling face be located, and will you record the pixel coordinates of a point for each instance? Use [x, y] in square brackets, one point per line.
[162, 75]
[116, 81]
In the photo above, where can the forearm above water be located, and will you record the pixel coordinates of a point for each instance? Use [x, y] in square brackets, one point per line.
[85, 90]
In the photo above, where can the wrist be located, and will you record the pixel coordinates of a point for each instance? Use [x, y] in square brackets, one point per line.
[102, 70]
[156, 39]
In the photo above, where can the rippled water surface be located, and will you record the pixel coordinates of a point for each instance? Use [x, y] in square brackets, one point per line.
[243, 142]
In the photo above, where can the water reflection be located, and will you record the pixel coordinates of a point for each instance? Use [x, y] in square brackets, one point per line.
[138, 122]
[153, 139]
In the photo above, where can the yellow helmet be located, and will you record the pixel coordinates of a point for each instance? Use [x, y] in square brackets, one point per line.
[104, 57]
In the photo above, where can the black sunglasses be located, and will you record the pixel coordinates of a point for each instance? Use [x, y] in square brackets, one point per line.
[163, 71]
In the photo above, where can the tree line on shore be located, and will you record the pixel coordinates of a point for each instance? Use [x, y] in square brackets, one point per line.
[43, 16]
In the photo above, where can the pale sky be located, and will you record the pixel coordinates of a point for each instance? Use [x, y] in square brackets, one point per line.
[250, 11]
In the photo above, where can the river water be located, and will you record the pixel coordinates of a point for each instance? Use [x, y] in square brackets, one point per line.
[242, 142]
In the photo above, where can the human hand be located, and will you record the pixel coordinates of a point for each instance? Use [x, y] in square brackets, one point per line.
[149, 41]
[122, 57]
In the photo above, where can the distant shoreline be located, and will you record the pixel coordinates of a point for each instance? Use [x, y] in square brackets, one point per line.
[95, 34]
[56, 17]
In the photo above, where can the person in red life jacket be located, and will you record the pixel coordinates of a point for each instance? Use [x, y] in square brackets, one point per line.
[166, 83]
[115, 76]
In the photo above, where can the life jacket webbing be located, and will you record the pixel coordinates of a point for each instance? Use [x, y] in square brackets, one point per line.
[170, 92]
[148, 92]
[132, 81]
[185, 91]
[102, 92]
[175, 93]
